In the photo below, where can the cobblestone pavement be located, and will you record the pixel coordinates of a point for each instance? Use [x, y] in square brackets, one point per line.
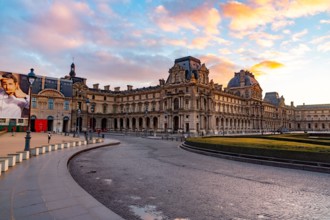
[154, 179]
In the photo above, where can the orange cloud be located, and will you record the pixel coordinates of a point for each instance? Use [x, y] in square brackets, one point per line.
[258, 69]
[221, 69]
[256, 13]
[244, 17]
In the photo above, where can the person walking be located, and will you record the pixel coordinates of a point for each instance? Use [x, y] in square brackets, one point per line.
[49, 137]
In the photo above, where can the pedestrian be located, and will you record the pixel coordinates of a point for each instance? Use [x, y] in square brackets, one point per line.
[13, 131]
[49, 137]
[86, 136]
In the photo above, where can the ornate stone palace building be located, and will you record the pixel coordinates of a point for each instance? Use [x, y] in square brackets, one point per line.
[186, 102]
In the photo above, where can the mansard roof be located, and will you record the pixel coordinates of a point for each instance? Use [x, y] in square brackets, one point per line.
[242, 78]
[316, 106]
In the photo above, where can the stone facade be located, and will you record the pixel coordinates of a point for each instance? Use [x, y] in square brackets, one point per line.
[189, 102]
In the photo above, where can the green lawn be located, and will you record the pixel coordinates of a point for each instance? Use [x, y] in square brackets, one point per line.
[277, 142]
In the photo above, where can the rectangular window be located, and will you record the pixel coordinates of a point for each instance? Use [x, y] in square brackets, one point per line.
[51, 104]
[104, 109]
[34, 102]
[66, 105]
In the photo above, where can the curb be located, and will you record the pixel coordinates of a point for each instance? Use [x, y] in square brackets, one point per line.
[88, 149]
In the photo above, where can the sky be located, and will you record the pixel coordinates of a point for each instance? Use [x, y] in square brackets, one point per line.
[285, 43]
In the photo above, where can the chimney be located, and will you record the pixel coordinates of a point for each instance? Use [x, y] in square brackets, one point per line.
[291, 104]
[117, 89]
[129, 87]
[96, 86]
[107, 87]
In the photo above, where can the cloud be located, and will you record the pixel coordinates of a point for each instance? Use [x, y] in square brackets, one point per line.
[323, 43]
[325, 21]
[324, 47]
[196, 19]
[299, 8]
[207, 40]
[297, 36]
[221, 69]
[277, 25]
[245, 17]
[258, 13]
[320, 39]
[264, 39]
[299, 50]
[260, 68]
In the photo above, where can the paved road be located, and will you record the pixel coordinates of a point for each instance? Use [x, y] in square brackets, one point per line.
[154, 179]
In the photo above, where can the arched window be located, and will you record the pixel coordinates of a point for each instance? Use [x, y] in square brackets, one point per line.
[176, 104]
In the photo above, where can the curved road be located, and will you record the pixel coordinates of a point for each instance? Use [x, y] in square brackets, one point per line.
[154, 179]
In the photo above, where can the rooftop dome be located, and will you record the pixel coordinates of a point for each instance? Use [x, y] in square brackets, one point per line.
[242, 78]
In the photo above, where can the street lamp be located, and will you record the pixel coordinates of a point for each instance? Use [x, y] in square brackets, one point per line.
[146, 115]
[262, 113]
[166, 122]
[78, 124]
[87, 127]
[31, 79]
[92, 122]
[126, 127]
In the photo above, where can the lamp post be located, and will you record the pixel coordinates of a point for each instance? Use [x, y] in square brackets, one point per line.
[166, 122]
[126, 128]
[78, 119]
[31, 79]
[223, 126]
[92, 122]
[87, 127]
[262, 113]
[146, 115]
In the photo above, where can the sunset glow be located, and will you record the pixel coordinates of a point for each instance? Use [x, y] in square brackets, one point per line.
[285, 43]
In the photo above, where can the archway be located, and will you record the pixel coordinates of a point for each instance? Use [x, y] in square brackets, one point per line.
[121, 121]
[133, 123]
[115, 124]
[176, 123]
[155, 123]
[217, 123]
[50, 123]
[127, 123]
[148, 122]
[65, 124]
[140, 123]
[33, 123]
[104, 124]
[92, 122]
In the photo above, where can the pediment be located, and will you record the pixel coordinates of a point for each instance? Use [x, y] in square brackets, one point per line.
[51, 93]
[176, 68]
[79, 86]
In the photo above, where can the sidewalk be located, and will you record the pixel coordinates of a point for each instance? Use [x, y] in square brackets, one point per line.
[11, 144]
[42, 187]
